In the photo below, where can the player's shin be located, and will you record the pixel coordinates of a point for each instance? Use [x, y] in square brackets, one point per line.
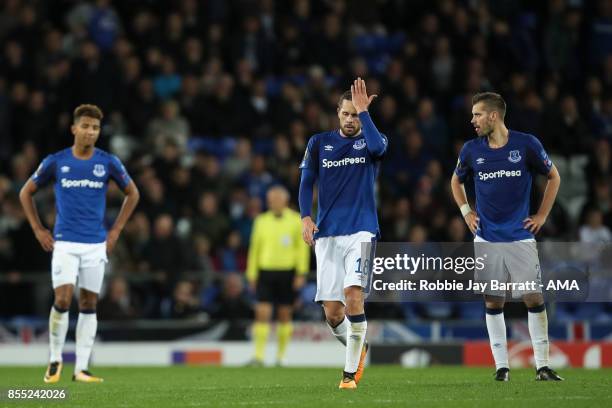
[58, 327]
[85, 336]
[538, 330]
[496, 326]
[340, 330]
[356, 335]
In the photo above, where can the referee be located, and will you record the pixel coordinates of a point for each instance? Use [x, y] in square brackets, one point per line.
[277, 265]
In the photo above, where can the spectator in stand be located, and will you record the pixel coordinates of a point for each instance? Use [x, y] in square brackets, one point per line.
[184, 303]
[593, 231]
[232, 257]
[209, 221]
[165, 253]
[171, 127]
[232, 303]
[258, 179]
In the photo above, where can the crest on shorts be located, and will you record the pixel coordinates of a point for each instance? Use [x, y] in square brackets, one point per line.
[99, 170]
[360, 144]
[515, 156]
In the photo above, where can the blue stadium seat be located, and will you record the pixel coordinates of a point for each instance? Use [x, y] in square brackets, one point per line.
[220, 148]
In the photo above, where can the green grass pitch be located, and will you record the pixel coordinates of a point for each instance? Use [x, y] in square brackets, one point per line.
[382, 386]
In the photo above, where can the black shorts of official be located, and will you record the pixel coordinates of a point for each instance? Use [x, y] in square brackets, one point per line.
[275, 287]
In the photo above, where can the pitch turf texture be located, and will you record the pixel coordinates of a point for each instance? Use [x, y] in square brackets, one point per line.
[382, 386]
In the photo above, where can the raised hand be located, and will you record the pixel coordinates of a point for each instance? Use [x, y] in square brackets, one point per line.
[361, 100]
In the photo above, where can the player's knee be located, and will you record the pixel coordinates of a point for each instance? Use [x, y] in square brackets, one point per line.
[353, 293]
[334, 317]
[86, 308]
[62, 302]
[89, 303]
[494, 302]
[354, 309]
[495, 305]
[334, 321]
[354, 302]
[493, 308]
[533, 300]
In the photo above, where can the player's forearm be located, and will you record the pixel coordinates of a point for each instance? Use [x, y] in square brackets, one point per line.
[127, 208]
[375, 142]
[306, 192]
[460, 196]
[27, 202]
[550, 193]
[458, 191]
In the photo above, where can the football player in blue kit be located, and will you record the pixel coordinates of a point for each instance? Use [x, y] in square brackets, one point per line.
[79, 242]
[345, 164]
[502, 163]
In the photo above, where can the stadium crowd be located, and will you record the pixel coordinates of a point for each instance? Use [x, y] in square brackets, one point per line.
[209, 103]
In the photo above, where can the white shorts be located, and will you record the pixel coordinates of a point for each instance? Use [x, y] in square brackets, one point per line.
[508, 262]
[339, 265]
[85, 261]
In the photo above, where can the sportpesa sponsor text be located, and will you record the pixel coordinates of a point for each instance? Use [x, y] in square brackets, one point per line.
[498, 174]
[81, 183]
[343, 162]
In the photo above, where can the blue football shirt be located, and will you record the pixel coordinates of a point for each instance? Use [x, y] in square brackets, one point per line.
[80, 192]
[346, 174]
[502, 179]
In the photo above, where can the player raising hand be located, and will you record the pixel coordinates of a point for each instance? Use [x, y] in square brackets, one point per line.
[345, 162]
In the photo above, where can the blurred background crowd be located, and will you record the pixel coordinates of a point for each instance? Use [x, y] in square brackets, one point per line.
[209, 103]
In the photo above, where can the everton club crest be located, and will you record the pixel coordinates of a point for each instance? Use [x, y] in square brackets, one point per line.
[515, 156]
[360, 144]
[98, 170]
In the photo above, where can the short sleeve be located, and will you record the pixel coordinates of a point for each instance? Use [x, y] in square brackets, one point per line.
[463, 168]
[537, 158]
[118, 172]
[311, 156]
[45, 171]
